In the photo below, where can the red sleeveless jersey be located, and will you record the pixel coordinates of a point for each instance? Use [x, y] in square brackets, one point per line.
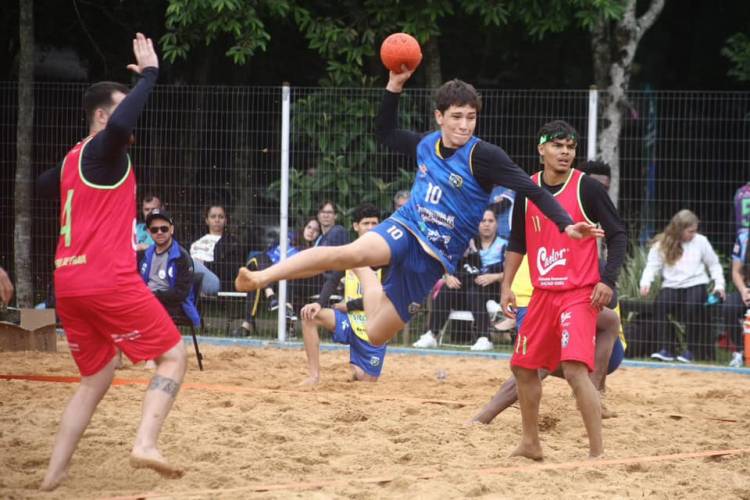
[96, 249]
[556, 261]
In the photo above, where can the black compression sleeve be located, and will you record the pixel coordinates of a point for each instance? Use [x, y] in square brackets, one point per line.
[599, 207]
[517, 241]
[401, 141]
[48, 183]
[104, 161]
[492, 166]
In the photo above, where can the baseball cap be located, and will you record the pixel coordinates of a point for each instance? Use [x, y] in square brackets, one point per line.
[159, 213]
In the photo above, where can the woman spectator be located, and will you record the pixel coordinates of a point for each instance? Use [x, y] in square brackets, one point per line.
[216, 255]
[476, 282]
[681, 255]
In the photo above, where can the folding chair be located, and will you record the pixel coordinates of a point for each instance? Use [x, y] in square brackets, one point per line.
[183, 320]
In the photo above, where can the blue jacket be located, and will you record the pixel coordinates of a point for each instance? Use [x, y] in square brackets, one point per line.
[180, 278]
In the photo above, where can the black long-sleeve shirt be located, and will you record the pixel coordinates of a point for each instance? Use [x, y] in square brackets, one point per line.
[491, 165]
[105, 160]
[599, 207]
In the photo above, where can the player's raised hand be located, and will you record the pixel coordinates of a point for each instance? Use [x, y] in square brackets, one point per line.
[396, 81]
[581, 230]
[145, 55]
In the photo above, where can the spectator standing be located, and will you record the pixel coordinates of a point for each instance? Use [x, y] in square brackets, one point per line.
[680, 255]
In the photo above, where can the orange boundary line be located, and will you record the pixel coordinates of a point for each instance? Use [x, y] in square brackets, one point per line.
[311, 485]
[230, 389]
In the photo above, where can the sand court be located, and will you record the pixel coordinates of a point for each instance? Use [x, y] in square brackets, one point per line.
[243, 428]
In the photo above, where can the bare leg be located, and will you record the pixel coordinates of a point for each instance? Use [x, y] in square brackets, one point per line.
[607, 331]
[157, 402]
[529, 396]
[368, 250]
[75, 419]
[503, 398]
[327, 319]
[383, 321]
[587, 398]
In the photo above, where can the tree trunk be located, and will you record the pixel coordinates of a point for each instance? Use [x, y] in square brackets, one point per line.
[24, 138]
[431, 59]
[616, 46]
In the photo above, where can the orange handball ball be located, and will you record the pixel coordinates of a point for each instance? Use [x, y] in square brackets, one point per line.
[398, 49]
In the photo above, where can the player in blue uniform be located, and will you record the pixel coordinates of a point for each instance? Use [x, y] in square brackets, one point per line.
[427, 236]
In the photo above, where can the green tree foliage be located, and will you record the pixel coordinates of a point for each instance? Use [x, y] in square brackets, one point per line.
[737, 50]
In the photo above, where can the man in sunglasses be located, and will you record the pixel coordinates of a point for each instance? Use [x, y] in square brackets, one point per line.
[167, 268]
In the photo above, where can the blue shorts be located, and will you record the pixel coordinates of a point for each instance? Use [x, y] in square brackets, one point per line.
[618, 354]
[413, 272]
[361, 353]
[615, 359]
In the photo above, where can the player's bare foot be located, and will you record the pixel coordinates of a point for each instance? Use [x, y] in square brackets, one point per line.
[152, 459]
[531, 451]
[247, 281]
[310, 382]
[52, 481]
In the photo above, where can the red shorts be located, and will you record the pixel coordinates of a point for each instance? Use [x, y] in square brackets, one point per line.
[559, 326]
[131, 320]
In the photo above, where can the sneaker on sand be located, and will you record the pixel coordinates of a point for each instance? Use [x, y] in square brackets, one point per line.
[737, 360]
[685, 357]
[663, 355]
[426, 341]
[482, 344]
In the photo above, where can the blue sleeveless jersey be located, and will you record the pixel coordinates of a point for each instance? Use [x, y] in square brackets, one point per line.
[446, 203]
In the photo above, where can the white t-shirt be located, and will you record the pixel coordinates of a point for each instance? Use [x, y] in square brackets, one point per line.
[690, 270]
[203, 249]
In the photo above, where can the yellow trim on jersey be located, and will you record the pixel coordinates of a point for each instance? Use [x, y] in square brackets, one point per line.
[580, 202]
[565, 184]
[437, 149]
[97, 186]
[471, 158]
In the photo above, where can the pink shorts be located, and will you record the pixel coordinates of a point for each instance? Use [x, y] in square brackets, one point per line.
[131, 320]
[559, 326]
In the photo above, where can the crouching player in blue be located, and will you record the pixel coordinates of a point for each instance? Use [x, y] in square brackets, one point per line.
[425, 238]
[347, 319]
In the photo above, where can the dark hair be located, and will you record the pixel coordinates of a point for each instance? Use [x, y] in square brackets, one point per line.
[457, 93]
[298, 238]
[365, 211]
[556, 129]
[598, 167]
[327, 202]
[217, 205]
[150, 196]
[99, 95]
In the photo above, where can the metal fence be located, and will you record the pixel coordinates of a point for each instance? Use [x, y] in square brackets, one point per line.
[200, 146]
